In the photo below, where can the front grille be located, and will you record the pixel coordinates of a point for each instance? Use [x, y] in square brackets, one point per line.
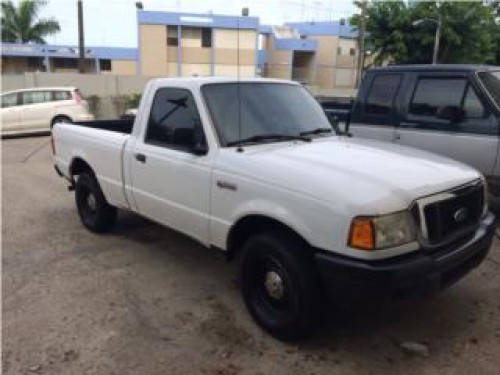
[454, 216]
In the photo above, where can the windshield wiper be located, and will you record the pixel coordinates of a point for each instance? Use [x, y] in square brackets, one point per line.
[317, 131]
[269, 137]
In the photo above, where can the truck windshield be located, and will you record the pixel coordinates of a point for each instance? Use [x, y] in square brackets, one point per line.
[266, 109]
[491, 80]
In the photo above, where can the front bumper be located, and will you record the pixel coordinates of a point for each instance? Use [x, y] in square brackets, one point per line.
[419, 273]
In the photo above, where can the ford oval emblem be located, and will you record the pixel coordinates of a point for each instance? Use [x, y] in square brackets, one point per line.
[461, 214]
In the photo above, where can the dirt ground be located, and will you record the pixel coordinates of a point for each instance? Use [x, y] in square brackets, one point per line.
[146, 300]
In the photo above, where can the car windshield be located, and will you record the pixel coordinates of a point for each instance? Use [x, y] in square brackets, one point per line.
[491, 80]
[268, 111]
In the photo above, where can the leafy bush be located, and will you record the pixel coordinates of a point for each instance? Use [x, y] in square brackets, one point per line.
[120, 102]
[94, 104]
[134, 100]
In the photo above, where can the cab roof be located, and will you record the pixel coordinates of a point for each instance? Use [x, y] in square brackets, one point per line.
[436, 67]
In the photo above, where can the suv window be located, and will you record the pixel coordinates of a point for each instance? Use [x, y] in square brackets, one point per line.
[9, 100]
[381, 94]
[173, 114]
[34, 97]
[61, 95]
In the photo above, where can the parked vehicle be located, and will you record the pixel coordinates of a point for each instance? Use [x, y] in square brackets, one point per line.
[253, 167]
[453, 110]
[37, 110]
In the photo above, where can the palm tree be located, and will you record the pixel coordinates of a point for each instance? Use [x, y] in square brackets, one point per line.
[22, 25]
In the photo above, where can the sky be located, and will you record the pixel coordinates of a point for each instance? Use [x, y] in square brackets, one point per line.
[113, 22]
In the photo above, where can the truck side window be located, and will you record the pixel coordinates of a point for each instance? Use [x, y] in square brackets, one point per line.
[472, 105]
[380, 98]
[431, 94]
[174, 121]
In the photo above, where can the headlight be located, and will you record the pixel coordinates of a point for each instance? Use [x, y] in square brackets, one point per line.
[380, 232]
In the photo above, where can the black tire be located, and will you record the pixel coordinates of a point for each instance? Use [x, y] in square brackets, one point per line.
[95, 213]
[59, 119]
[286, 305]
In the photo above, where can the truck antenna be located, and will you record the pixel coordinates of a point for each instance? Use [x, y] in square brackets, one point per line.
[244, 13]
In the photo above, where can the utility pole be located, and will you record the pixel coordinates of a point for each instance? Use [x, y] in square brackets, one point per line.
[361, 42]
[437, 38]
[81, 40]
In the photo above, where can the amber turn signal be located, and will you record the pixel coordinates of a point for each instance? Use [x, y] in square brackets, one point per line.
[362, 234]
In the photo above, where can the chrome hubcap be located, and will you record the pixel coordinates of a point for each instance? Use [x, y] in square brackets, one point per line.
[91, 202]
[274, 285]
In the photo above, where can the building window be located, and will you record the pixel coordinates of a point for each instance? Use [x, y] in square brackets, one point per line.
[339, 51]
[35, 62]
[352, 51]
[191, 33]
[105, 64]
[63, 63]
[206, 37]
[172, 36]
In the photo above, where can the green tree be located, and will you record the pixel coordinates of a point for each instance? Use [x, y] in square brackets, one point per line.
[387, 25]
[496, 32]
[21, 24]
[467, 34]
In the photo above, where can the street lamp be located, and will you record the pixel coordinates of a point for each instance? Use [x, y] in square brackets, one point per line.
[437, 36]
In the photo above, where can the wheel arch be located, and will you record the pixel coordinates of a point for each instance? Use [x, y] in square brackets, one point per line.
[251, 224]
[59, 116]
[78, 166]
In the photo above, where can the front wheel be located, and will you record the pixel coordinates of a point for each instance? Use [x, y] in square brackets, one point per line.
[94, 211]
[278, 284]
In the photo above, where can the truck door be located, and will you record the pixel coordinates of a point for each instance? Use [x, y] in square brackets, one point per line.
[169, 183]
[471, 139]
[375, 111]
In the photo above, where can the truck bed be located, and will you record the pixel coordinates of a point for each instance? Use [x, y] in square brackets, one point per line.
[120, 125]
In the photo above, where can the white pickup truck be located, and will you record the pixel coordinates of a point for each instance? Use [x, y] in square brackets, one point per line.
[253, 167]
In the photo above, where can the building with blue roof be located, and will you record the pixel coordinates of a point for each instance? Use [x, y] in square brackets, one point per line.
[322, 54]
[20, 58]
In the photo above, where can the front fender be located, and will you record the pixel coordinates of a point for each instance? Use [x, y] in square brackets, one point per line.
[272, 210]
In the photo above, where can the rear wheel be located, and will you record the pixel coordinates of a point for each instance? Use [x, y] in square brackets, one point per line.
[94, 211]
[278, 284]
[60, 119]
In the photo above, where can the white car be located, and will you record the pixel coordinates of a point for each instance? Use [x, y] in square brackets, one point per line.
[252, 167]
[37, 110]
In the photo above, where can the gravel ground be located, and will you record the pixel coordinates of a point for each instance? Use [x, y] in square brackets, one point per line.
[146, 300]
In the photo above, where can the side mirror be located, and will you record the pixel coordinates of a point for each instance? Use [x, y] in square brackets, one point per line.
[186, 137]
[199, 149]
[333, 119]
[344, 114]
[451, 113]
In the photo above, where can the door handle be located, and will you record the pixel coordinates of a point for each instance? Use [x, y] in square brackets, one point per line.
[405, 124]
[140, 157]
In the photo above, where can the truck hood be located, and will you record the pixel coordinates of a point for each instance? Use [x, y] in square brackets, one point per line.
[375, 177]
